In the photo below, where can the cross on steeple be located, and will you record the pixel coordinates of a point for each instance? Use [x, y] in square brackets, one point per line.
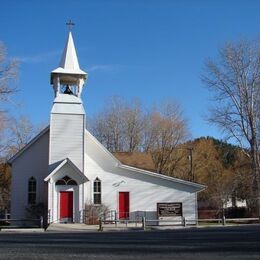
[70, 24]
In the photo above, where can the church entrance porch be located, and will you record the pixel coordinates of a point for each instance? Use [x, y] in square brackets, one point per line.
[66, 206]
[65, 193]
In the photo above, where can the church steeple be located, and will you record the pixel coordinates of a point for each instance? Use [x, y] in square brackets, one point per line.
[68, 78]
[67, 120]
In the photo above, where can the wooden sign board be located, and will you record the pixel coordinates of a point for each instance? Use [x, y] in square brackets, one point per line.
[169, 209]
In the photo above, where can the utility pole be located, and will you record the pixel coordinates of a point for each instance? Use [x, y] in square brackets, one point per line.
[191, 163]
[190, 158]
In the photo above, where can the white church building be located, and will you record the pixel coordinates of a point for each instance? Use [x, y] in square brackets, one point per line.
[66, 168]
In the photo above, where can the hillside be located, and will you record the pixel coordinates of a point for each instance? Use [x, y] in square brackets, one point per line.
[221, 166]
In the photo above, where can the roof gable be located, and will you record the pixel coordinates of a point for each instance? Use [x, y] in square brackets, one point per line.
[112, 161]
[76, 173]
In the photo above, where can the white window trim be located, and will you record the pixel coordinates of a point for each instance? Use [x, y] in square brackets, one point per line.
[97, 192]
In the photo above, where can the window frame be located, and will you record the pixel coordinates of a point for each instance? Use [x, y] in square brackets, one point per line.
[32, 191]
[97, 192]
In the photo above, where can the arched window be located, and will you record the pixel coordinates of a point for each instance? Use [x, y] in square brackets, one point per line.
[32, 191]
[66, 181]
[97, 191]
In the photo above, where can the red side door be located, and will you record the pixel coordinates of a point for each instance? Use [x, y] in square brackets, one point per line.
[123, 205]
[66, 204]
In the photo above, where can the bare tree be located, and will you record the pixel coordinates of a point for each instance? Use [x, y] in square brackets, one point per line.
[165, 130]
[133, 124]
[8, 72]
[125, 127]
[107, 125]
[3, 133]
[19, 132]
[235, 80]
[119, 126]
[22, 131]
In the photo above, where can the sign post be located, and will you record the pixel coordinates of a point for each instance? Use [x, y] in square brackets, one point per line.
[170, 212]
[169, 209]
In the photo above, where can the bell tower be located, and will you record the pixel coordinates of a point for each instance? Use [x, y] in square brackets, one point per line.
[67, 119]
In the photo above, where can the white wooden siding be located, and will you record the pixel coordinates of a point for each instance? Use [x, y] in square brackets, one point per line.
[67, 138]
[145, 191]
[144, 194]
[32, 162]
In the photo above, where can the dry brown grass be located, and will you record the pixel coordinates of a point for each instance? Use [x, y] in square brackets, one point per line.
[136, 159]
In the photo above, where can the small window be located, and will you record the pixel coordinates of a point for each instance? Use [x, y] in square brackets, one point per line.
[97, 191]
[32, 191]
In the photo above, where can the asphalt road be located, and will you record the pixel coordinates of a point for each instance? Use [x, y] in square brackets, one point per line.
[241, 242]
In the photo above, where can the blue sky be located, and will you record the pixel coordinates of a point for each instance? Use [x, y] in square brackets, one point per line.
[152, 50]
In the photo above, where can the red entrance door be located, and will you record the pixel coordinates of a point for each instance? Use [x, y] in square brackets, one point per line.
[123, 205]
[66, 205]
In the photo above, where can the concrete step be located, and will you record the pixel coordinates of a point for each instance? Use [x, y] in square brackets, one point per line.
[71, 227]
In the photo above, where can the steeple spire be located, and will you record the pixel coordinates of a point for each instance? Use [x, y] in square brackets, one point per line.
[68, 73]
[69, 60]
